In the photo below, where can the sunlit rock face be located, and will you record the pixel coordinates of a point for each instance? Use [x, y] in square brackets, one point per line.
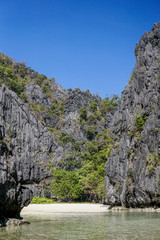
[132, 173]
[25, 146]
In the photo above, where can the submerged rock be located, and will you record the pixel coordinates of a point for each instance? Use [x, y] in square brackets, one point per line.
[16, 222]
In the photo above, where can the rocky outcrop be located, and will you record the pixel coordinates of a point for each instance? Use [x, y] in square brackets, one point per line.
[78, 99]
[132, 173]
[25, 149]
[58, 92]
[35, 95]
[53, 127]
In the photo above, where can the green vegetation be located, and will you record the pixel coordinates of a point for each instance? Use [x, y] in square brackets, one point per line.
[57, 108]
[66, 185]
[152, 161]
[83, 114]
[42, 200]
[91, 132]
[131, 79]
[93, 106]
[138, 126]
[140, 121]
[131, 76]
[87, 182]
[70, 161]
[63, 138]
[80, 172]
[17, 75]
[108, 104]
[37, 107]
[89, 117]
[132, 156]
[95, 113]
[8, 77]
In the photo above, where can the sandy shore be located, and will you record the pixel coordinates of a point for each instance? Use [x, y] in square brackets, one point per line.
[64, 208]
[34, 209]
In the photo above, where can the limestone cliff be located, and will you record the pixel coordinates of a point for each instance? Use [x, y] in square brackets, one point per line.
[25, 147]
[132, 173]
[43, 126]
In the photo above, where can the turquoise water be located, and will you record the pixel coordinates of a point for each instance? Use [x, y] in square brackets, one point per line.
[101, 226]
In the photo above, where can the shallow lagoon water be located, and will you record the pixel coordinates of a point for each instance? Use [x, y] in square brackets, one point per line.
[87, 226]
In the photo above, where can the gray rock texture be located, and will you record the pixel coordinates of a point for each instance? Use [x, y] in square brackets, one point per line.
[50, 131]
[132, 173]
[58, 92]
[25, 149]
[76, 100]
[35, 95]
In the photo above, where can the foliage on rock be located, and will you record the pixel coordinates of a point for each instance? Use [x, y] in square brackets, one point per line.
[87, 182]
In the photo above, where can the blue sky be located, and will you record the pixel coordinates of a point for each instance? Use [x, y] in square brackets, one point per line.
[88, 44]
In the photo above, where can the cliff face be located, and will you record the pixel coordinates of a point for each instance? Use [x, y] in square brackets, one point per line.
[25, 149]
[43, 126]
[132, 173]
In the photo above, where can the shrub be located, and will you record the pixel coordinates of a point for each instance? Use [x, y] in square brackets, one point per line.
[38, 81]
[140, 121]
[83, 114]
[92, 119]
[42, 77]
[138, 126]
[66, 185]
[109, 104]
[87, 182]
[93, 106]
[152, 161]
[91, 132]
[42, 200]
[57, 108]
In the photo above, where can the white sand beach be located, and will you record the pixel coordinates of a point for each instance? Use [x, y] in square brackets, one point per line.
[64, 208]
